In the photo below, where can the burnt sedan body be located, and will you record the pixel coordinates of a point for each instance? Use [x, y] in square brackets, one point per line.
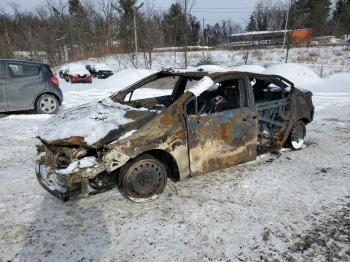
[193, 123]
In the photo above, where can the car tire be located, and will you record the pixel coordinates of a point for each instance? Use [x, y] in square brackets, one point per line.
[47, 104]
[61, 74]
[143, 178]
[297, 135]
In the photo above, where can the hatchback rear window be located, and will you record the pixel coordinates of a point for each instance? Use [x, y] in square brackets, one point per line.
[23, 70]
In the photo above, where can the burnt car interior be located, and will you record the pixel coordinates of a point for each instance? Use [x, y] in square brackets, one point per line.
[272, 98]
[222, 96]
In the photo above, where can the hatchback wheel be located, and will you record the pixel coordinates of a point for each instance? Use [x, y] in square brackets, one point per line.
[61, 74]
[144, 178]
[297, 135]
[47, 104]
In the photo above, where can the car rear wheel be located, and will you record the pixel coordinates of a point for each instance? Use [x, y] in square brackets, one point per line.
[144, 178]
[47, 104]
[297, 135]
[61, 74]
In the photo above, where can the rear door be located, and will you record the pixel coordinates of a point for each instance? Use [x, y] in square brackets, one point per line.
[225, 136]
[3, 100]
[23, 84]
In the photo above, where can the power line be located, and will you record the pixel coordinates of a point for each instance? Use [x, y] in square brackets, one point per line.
[211, 11]
[221, 8]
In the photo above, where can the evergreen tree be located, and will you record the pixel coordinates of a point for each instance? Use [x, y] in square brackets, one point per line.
[311, 14]
[126, 10]
[173, 25]
[252, 24]
[126, 7]
[74, 6]
[194, 30]
[341, 17]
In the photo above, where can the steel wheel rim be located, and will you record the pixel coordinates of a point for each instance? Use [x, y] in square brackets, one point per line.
[48, 104]
[299, 132]
[298, 135]
[145, 179]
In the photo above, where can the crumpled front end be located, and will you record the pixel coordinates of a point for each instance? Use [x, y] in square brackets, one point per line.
[67, 171]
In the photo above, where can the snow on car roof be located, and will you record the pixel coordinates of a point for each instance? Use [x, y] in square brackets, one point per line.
[76, 68]
[100, 66]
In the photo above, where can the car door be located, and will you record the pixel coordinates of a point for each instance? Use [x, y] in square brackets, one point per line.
[3, 100]
[22, 85]
[222, 138]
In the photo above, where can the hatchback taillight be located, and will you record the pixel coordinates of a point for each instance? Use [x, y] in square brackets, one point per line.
[54, 80]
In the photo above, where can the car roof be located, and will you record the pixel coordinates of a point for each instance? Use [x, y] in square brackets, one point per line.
[23, 61]
[217, 74]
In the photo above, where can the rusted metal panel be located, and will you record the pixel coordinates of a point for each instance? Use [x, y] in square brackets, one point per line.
[221, 140]
[166, 132]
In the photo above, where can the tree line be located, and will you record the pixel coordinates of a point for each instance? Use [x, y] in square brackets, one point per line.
[316, 14]
[78, 29]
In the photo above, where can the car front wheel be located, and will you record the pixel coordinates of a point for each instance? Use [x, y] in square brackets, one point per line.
[47, 104]
[297, 135]
[144, 178]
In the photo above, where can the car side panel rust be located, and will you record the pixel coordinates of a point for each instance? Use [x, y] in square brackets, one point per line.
[166, 132]
[221, 140]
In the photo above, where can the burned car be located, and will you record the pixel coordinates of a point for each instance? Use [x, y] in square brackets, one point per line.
[193, 123]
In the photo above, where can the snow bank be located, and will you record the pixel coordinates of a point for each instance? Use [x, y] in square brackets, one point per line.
[338, 77]
[211, 68]
[116, 82]
[336, 83]
[91, 121]
[217, 68]
[298, 74]
[250, 68]
[204, 68]
[101, 67]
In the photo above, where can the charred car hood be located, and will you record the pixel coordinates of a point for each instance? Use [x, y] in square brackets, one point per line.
[94, 124]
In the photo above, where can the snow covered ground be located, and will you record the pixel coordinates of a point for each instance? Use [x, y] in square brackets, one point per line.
[323, 60]
[291, 206]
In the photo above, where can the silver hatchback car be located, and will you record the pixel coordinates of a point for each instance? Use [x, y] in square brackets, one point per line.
[28, 85]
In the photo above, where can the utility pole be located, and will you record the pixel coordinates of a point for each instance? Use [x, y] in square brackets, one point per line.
[185, 36]
[203, 39]
[176, 22]
[135, 33]
[286, 27]
[135, 36]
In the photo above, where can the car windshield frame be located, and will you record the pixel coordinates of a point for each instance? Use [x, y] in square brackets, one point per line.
[122, 94]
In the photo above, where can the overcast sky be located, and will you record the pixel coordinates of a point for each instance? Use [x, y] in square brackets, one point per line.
[212, 10]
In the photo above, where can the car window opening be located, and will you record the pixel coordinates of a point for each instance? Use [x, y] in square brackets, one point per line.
[222, 96]
[159, 93]
[271, 98]
[265, 91]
